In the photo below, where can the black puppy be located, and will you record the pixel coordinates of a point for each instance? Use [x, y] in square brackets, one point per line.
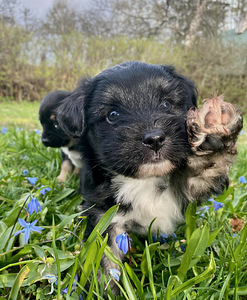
[131, 120]
[54, 136]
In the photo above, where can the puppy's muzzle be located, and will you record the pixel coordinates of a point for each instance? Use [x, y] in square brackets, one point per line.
[46, 142]
[154, 139]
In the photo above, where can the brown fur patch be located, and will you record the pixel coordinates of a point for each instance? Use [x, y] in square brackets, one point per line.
[155, 169]
[66, 170]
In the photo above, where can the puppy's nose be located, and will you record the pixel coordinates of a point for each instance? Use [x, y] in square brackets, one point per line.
[45, 141]
[154, 139]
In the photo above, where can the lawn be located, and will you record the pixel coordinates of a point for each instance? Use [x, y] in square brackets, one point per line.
[19, 114]
[206, 258]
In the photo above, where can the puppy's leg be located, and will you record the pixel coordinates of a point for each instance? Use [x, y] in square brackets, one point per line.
[66, 169]
[212, 133]
[113, 231]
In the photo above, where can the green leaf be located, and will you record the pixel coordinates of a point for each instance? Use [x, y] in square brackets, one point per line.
[190, 218]
[151, 249]
[62, 195]
[213, 235]
[150, 272]
[40, 252]
[238, 253]
[56, 258]
[196, 246]
[135, 280]
[66, 221]
[226, 281]
[101, 226]
[88, 265]
[17, 283]
[189, 283]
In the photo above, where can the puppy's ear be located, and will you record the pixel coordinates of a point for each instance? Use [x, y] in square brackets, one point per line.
[70, 114]
[53, 99]
[188, 86]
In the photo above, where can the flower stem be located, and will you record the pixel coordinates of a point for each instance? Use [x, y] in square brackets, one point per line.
[16, 220]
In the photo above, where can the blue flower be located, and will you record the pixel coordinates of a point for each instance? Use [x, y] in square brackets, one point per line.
[115, 274]
[33, 205]
[28, 228]
[19, 129]
[36, 131]
[32, 180]
[217, 205]
[44, 190]
[182, 247]
[205, 208]
[242, 179]
[4, 130]
[123, 242]
[25, 172]
[51, 279]
[242, 132]
[75, 282]
[174, 235]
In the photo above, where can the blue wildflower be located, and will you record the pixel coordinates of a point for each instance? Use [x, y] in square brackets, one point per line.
[115, 274]
[217, 205]
[242, 132]
[28, 228]
[123, 242]
[182, 247]
[204, 208]
[4, 130]
[51, 279]
[25, 172]
[174, 235]
[44, 190]
[36, 131]
[33, 205]
[154, 237]
[242, 179]
[32, 180]
[19, 129]
[75, 282]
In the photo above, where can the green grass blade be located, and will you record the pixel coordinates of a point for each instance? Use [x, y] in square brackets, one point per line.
[190, 219]
[195, 248]
[135, 280]
[189, 283]
[150, 271]
[17, 283]
[56, 258]
[88, 265]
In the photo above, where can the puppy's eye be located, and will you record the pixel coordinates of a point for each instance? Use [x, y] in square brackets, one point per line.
[166, 105]
[112, 117]
[56, 125]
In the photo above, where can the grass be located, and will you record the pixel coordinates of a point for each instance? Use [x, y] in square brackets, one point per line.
[205, 260]
[19, 114]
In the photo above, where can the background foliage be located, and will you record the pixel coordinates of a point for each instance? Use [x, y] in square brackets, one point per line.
[206, 258]
[38, 56]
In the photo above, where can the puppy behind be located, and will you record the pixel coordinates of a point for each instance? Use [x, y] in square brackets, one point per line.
[131, 120]
[54, 136]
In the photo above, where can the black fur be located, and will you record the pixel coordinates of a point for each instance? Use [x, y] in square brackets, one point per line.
[131, 120]
[54, 136]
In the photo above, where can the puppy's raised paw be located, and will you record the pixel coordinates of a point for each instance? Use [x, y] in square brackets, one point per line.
[214, 127]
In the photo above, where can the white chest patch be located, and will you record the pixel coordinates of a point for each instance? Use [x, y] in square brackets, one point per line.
[74, 156]
[149, 201]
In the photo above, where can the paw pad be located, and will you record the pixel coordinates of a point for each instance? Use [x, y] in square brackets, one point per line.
[217, 119]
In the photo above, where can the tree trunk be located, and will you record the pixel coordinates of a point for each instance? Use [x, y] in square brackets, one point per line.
[194, 25]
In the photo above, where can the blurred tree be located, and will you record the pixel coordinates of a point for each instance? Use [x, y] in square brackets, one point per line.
[181, 21]
[239, 8]
[60, 19]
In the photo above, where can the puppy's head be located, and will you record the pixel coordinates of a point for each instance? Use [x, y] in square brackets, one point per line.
[132, 118]
[52, 135]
